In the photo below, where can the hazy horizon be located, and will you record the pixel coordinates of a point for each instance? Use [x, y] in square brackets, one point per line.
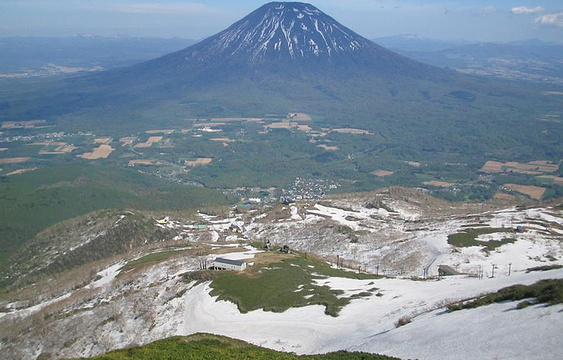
[482, 20]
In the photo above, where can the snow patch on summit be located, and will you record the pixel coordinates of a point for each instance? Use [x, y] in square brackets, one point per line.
[296, 32]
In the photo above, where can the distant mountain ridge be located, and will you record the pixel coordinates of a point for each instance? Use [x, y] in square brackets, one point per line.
[531, 59]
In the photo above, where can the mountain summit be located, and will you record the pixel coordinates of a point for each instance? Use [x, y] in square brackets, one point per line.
[297, 34]
[290, 30]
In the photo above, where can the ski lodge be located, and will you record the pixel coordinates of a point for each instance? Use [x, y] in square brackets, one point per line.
[227, 264]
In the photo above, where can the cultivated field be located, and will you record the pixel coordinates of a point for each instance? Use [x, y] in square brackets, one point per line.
[237, 119]
[205, 124]
[535, 192]
[127, 140]
[105, 140]
[352, 131]
[531, 168]
[329, 148]
[280, 125]
[414, 164]
[556, 179]
[154, 139]
[304, 128]
[167, 132]
[299, 117]
[150, 141]
[382, 173]
[60, 148]
[101, 152]
[21, 171]
[438, 183]
[143, 145]
[16, 160]
[22, 124]
[492, 167]
[199, 161]
[225, 140]
[143, 162]
[503, 196]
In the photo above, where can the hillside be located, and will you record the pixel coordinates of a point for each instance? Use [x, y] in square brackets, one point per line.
[33, 201]
[205, 346]
[360, 266]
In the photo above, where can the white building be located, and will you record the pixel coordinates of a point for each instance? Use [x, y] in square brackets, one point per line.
[227, 264]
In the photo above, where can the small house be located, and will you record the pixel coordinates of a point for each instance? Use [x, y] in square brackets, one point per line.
[165, 220]
[235, 229]
[228, 264]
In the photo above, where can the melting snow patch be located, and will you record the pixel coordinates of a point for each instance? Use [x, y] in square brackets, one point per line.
[106, 276]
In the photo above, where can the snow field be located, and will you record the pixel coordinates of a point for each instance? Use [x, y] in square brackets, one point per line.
[368, 324]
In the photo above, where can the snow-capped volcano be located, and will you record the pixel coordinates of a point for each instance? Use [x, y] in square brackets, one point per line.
[286, 30]
[294, 32]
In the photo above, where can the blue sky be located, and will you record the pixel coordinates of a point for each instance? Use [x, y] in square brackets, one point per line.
[492, 20]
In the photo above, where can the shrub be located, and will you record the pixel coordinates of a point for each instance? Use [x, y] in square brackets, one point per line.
[403, 321]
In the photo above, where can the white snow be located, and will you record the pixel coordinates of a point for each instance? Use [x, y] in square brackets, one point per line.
[106, 276]
[249, 254]
[495, 331]
[33, 309]
[295, 213]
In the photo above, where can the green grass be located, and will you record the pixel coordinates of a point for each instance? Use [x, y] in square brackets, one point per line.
[149, 259]
[280, 286]
[544, 268]
[211, 347]
[468, 238]
[34, 201]
[549, 292]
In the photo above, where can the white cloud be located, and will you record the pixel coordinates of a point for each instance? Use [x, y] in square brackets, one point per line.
[522, 10]
[550, 19]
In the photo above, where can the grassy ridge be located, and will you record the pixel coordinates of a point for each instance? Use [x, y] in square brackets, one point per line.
[549, 292]
[468, 238]
[206, 346]
[280, 286]
[33, 201]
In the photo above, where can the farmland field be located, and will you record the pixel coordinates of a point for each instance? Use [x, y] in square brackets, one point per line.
[199, 161]
[16, 160]
[531, 168]
[22, 124]
[154, 139]
[167, 132]
[126, 140]
[21, 171]
[535, 192]
[105, 140]
[101, 152]
[142, 162]
[438, 183]
[382, 173]
[329, 148]
[301, 117]
[352, 131]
